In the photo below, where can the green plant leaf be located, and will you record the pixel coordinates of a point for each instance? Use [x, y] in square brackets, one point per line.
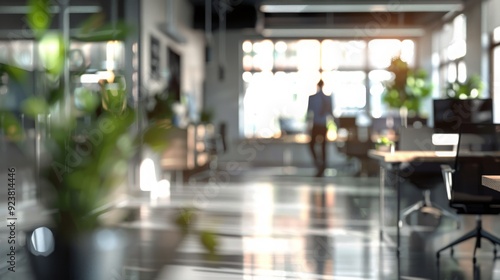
[114, 98]
[108, 32]
[408, 88]
[11, 127]
[94, 22]
[156, 136]
[185, 218]
[162, 109]
[39, 16]
[15, 73]
[86, 100]
[34, 106]
[52, 49]
[209, 241]
[467, 89]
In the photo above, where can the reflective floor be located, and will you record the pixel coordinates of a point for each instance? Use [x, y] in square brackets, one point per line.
[286, 224]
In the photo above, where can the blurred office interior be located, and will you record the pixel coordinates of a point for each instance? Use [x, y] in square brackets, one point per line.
[238, 75]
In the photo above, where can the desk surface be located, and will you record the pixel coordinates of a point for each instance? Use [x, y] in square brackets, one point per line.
[409, 156]
[491, 181]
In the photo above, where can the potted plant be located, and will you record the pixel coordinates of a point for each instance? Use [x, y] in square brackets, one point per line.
[159, 106]
[384, 144]
[86, 161]
[408, 87]
[206, 116]
[472, 87]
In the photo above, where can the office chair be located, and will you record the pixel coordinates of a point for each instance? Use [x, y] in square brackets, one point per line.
[214, 145]
[356, 145]
[423, 175]
[477, 155]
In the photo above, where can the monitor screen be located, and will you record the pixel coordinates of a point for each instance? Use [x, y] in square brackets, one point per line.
[449, 114]
[395, 123]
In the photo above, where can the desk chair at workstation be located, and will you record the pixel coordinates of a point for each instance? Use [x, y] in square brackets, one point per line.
[477, 155]
[356, 145]
[214, 145]
[423, 175]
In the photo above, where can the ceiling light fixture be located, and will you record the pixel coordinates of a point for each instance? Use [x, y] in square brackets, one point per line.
[421, 6]
[340, 32]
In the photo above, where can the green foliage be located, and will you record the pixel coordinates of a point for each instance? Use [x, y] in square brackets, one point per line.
[52, 54]
[39, 16]
[114, 96]
[10, 127]
[106, 32]
[156, 135]
[210, 242]
[12, 72]
[33, 106]
[408, 88]
[86, 100]
[471, 88]
[384, 141]
[162, 108]
[87, 167]
[185, 219]
[88, 160]
[206, 116]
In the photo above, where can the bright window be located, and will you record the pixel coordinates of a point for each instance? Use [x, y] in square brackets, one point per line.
[382, 51]
[342, 54]
[377, 79]
[450, 44]
[495, 79]
[348, 90]
[278, 77]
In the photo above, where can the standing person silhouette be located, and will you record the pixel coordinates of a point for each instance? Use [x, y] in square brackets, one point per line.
[319, 112]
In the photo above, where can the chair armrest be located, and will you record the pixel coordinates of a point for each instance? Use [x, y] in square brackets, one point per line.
[447, 172]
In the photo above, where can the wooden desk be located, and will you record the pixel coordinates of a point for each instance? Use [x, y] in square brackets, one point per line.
[391, 161]
[411, 156]
[491, 181]
[186, 150]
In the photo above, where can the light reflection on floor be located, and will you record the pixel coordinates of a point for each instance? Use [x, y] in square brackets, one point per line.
[295, 227]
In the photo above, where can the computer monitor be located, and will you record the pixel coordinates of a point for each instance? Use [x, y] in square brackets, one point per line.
[395, 123]
[449, 114]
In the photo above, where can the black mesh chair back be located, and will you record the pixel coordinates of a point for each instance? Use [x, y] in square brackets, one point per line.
[477, 154]
[423, 175]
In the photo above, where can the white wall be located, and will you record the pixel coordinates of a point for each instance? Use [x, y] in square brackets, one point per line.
[473, 57]
[223, 95]
[424, 61]
[153, 13]
[492, 8]
[493, 20]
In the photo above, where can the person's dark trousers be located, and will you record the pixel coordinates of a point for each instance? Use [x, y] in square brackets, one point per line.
[319, 160]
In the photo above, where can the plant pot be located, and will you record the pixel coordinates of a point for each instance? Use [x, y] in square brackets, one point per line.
[384, 148]
[97, 255]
